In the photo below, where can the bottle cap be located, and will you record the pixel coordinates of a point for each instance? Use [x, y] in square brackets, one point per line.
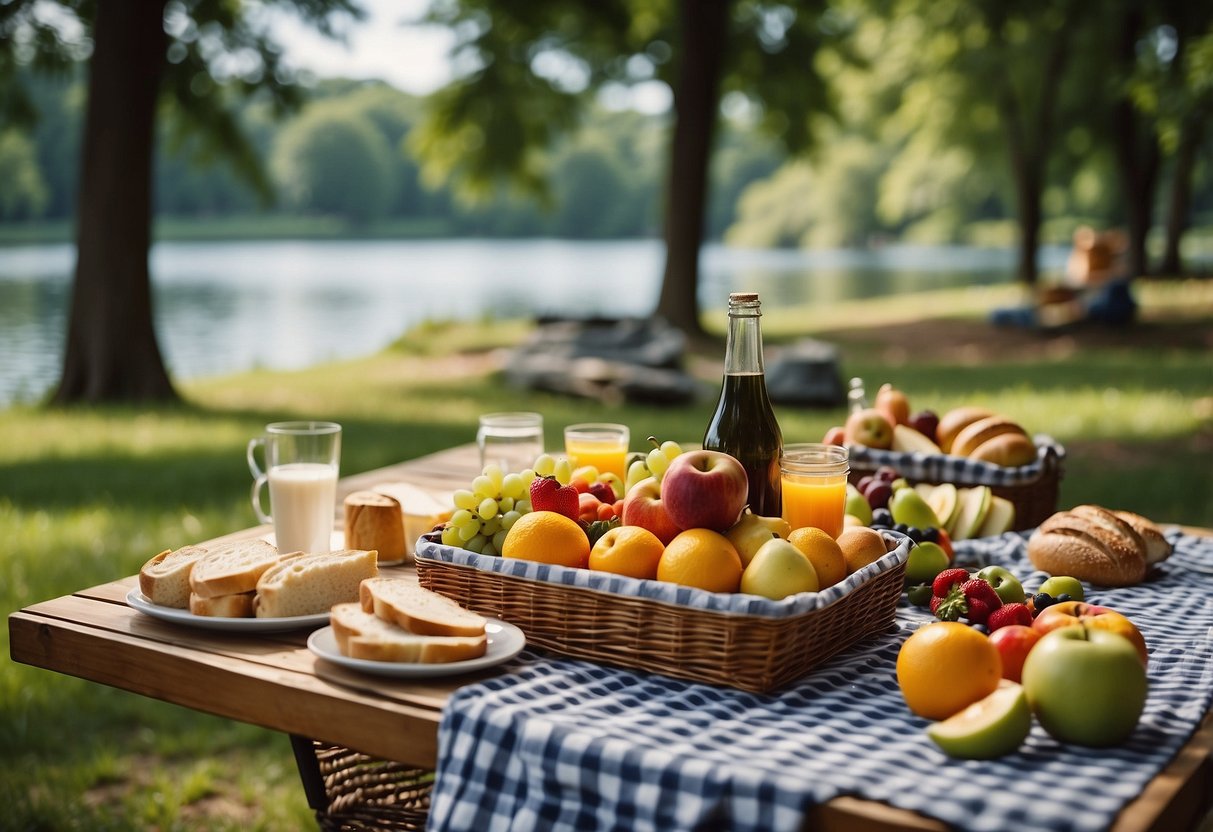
[743, 297]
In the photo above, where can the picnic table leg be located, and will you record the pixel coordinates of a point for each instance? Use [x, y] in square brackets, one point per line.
[309, 773]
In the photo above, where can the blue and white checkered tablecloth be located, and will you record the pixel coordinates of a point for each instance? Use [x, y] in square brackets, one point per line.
[561, 744]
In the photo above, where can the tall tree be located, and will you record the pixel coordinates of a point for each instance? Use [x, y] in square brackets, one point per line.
[533, 67]
[147, 57]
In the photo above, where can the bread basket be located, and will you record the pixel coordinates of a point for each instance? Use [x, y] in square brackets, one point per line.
[741, 641]
[1032, 488]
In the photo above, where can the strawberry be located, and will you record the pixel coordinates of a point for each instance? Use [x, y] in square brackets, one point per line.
[1010, 614]
[547, 494]
[944, 580]
[982, 591]
[979, 611]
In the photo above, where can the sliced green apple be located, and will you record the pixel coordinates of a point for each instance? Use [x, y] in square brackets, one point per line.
[1000, 517]
[973, 509]
[944, 500]
[988, 728]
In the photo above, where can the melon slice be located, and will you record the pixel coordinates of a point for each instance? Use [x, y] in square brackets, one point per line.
[1000, 517]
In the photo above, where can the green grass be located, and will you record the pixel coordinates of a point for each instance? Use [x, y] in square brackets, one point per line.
[86, 495]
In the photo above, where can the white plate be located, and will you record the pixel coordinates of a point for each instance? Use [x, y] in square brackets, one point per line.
[139, 601]
[505, 642]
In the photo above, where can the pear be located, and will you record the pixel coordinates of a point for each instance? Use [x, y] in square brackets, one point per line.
[907, 506]
[752, 532]
[857, 505]
[777, 570]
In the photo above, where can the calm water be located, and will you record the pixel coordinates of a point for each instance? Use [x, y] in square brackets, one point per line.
[224, 307]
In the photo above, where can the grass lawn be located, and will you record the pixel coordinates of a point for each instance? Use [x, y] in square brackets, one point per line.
[87, 495]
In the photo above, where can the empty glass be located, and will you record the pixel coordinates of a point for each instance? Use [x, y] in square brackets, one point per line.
[512, 440]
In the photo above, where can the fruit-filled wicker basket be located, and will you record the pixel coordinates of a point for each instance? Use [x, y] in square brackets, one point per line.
[742, 641]
[1032, 488]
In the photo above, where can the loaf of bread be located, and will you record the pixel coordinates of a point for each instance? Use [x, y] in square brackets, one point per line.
[375, 521]
[1157, 547]
[238, 605]
[954, 421]
[232, 568]
[312, 583]
[165, 579]
[363, 635]
[417, 609]
[1092, 544]
[1007, 449]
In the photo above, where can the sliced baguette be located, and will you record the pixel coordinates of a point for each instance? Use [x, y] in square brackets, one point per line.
[417, 609]
[232, 569]
[309, 584]
[239, 605]
[165, 579]
[363, 635]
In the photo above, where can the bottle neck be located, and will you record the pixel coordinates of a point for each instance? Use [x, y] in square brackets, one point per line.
[743, 352]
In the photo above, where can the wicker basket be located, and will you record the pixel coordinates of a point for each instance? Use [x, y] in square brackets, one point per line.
[1035, 498]
[349, 790]
[751, 652]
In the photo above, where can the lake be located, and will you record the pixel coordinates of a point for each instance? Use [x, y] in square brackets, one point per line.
[231, 306]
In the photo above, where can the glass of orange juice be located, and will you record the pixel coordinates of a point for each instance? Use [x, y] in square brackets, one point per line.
[814, 478]
[603, 445]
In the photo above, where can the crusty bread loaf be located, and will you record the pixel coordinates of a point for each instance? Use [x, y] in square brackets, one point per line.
[363, 635]
[975, 434]
[1009, 450]
[1089, 543]
[232, 568]
[313, 583]
[1158, 548]
[375, 521]
[165, 579]
[418, 609]
[956, 420]
[239, 605]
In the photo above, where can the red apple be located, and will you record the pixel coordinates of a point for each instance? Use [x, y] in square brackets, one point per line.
[644, 507]
[893, 404]
[1069, 613]
[869, 427]
[925, 422]
[705, 490]
[836, 435]
[1014, 642]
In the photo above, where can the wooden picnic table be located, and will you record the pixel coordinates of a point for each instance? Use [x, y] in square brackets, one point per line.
[274, 681]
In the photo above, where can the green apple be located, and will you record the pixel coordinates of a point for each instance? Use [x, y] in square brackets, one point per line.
[926, 560]
[974, 503]
[999, 518]
[1008, 587]
[990, 727]
[1063, 585]
[1085, 685]
[778, 570]
[907, 506]
[944, 500]
[858, 506]
[753, 530]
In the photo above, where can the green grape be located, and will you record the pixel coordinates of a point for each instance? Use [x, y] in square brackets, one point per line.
[499, 540]
[488, 528]
[528, 476]
[505, 504]
[509, 519]
[637, 471]
[671, 449]
[513, 486]
[483, 487]
[461, 517]
[544, 465]
[657, 462]
[466, 533]
[563, 471]
[495, 474]
[476, 543]
[523, 506]
[465, 499]
[586, 472]
[488, 508]
[489, 549]
[450, 536]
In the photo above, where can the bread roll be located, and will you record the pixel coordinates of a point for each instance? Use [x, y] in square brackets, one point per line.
[375, 521]
[956, 420]
[232, 569]
[165, 578]
[1089, 543]
[1009, 450]
[418, 609]
[973, 435]
[363, 635]
[1157, 547]
[239, 605]
[313, 583]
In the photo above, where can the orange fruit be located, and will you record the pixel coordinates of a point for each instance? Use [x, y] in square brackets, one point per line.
[860, 546]
[701, 558]
[627, 550]
[945, 667]
[823, 552]
[547, 537]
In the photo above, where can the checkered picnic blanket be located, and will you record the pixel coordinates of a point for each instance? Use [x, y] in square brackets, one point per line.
[920, 467]
[562, 744]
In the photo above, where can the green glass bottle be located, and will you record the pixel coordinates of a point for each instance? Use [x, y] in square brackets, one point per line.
[744, 423]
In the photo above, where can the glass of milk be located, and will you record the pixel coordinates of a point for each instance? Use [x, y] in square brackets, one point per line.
[301, 463]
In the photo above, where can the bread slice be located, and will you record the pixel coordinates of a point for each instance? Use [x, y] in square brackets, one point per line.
[239, 605]
[165, 579]
[1158, 548]
[310, 584]
[232, 568]
[417, 609]
[363, 635]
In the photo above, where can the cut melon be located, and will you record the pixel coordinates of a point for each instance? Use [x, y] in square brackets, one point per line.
[1000, 517]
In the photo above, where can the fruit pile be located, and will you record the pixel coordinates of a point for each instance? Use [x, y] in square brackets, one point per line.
[998, 656]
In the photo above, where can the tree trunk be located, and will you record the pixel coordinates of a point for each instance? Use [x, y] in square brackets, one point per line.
[1137, 156]
[111, 352]
[1180, 207]
[696, 100]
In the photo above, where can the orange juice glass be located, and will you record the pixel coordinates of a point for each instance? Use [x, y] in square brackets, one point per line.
[814, 478]
[603, 445]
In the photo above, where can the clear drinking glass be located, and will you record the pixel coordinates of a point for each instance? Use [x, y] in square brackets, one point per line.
[512, 440]
[815, 485]
[601, 444]
[301, 465]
